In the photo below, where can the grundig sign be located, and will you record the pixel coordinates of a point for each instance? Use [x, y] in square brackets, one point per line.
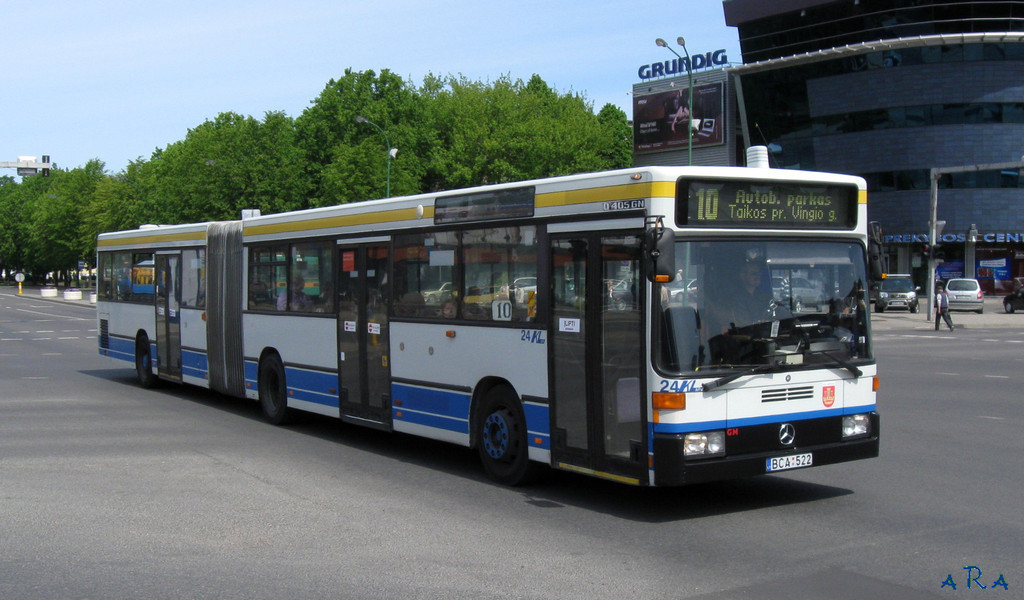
[678, 65]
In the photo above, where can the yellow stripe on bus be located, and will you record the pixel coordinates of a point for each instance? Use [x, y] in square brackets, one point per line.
[607, 194]
[367, 218]
[191, 236]
[862, 196]
[601, 474]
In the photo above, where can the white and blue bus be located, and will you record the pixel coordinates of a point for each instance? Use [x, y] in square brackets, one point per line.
[653, 326]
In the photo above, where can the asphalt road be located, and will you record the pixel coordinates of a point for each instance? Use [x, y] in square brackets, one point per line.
[111, 491]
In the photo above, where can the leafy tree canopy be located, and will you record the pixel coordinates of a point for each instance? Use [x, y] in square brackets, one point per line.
[448, 132]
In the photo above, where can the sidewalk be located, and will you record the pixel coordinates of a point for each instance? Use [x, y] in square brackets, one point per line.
[994, 317]
[79, 296]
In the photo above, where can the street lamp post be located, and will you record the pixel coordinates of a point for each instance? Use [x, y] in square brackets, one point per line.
[689, 105]
[392, 152]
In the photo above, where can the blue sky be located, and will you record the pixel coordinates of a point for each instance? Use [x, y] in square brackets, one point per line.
[117, 79]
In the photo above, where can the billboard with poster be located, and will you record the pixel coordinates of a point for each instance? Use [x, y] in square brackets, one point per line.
[660, 120]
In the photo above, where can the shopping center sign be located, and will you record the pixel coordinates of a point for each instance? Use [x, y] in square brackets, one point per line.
[999, 237]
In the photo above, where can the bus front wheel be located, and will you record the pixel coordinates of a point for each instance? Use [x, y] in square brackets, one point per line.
[501, 439]
[272, 390]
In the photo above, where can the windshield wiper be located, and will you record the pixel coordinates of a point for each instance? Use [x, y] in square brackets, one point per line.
[734, 376]
[769, 367]
[839, 361]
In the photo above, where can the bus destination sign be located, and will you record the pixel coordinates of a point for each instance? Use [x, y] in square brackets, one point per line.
[766, 204]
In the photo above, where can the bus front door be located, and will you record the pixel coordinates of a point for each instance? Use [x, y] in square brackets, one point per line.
[364, 370]
[168, 316]
[597, 355]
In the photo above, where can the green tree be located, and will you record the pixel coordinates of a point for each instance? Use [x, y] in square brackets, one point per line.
[224, 166]
[511, 131]
[14, 211]
[346, 160]
[617, 149]
[56, 241]
[450, 133]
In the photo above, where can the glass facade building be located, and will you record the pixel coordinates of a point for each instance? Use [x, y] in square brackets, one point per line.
[889, 89]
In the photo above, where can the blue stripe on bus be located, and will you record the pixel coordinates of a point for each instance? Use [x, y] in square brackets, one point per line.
[250, 372]
[318, 387]
[449, 411]
[440, 409]
[762, 420]
[194, 364]
[538, 425]
[120, 349]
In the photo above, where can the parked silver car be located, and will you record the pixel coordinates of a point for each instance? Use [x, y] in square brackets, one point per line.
[965, 294]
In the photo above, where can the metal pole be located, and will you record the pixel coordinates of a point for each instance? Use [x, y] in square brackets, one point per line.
[689, 106]
[932, 214]
[387, 149]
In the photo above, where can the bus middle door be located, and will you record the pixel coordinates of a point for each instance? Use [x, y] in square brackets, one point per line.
[364, 370]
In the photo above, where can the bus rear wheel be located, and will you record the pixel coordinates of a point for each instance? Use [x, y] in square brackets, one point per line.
[144, 362]
[273, 391]
[501, 439]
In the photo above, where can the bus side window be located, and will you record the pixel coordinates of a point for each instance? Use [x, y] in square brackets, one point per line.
[500, 268]
[424, 267]
[268, 270]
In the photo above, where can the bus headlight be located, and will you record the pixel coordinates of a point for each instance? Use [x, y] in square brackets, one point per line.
[705, 444]
[856, 426]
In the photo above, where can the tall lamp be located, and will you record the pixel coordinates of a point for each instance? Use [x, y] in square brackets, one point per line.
[689, 106]
[392, 152]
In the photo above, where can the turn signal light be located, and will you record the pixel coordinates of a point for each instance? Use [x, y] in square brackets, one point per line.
[668, 401]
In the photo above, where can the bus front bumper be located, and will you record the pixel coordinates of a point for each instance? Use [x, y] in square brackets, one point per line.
[673, 468]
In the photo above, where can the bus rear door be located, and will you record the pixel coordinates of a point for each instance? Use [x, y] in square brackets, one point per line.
[168, 315]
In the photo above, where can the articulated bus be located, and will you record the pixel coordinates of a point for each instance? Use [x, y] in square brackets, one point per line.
[652, 326]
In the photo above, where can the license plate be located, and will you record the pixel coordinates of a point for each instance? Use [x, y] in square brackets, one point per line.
[794, 461]
[898, 303]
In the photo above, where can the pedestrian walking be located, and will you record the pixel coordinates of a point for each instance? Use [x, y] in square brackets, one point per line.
[942, 307]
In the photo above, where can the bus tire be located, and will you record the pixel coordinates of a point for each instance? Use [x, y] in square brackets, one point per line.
[501, 439]
[144, 362]
[273, 390]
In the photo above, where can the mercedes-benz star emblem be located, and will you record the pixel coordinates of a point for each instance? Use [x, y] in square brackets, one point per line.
[787, 434]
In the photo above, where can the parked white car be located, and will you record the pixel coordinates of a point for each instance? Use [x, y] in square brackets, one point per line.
[965, 294]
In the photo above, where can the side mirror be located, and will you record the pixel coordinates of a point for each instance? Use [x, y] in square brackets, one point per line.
[659, 251]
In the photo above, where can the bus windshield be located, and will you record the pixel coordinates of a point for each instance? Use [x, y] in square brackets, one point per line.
[779, 303]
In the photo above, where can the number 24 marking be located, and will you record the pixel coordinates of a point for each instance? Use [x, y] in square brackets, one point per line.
[533, 336]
